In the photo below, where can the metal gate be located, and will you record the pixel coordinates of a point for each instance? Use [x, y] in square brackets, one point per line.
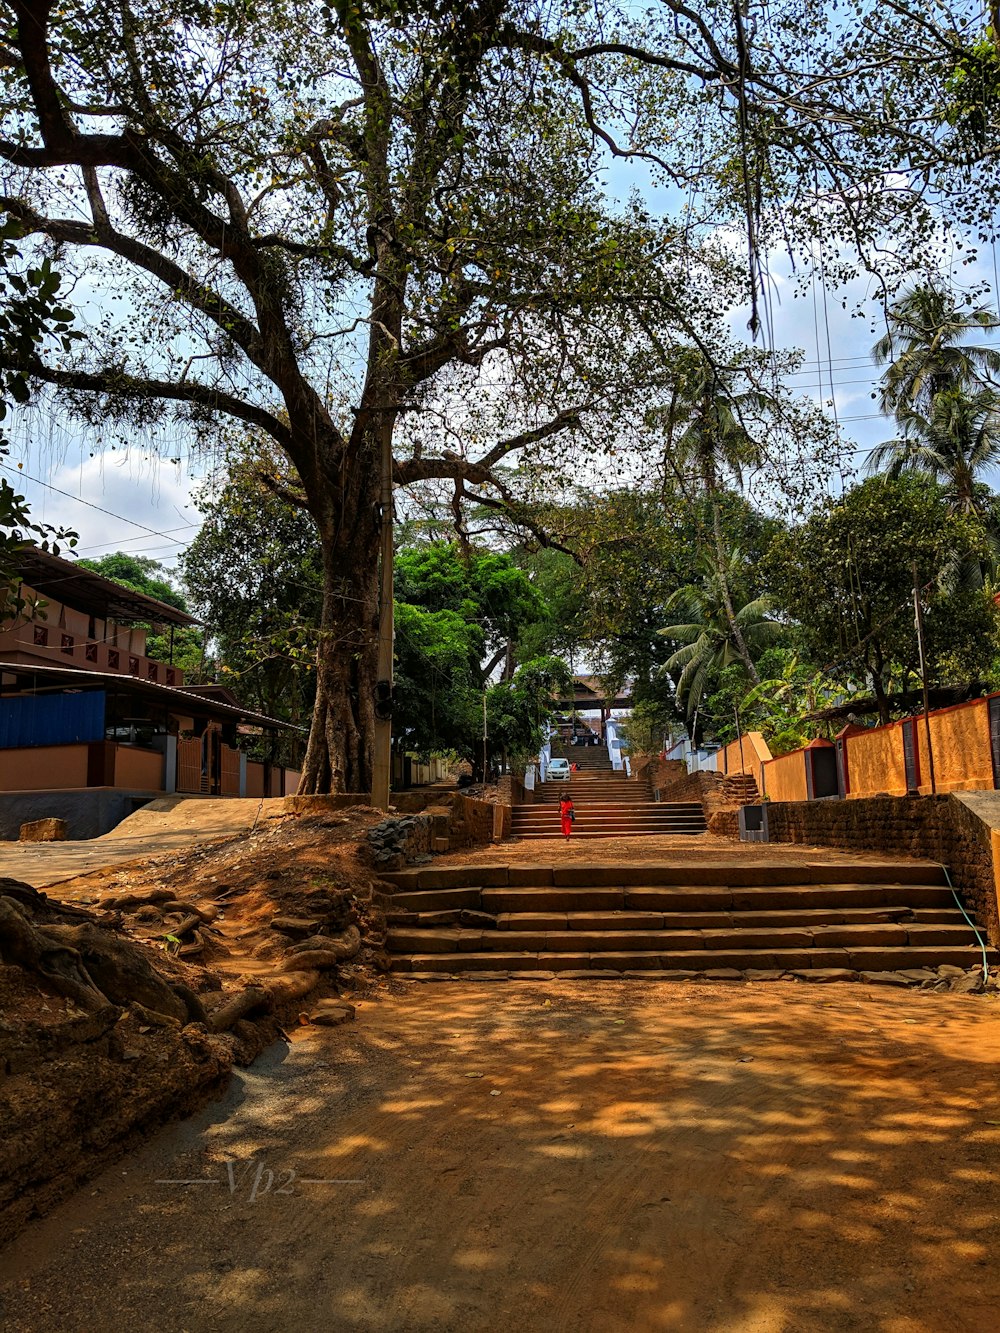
[995, 739]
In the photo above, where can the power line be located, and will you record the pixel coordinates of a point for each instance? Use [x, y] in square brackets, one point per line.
[17, 472]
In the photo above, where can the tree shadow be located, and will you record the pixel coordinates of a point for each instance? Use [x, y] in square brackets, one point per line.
[613, 1156]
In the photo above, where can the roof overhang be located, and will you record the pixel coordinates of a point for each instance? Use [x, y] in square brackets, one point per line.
[31, 679]
[52, 576]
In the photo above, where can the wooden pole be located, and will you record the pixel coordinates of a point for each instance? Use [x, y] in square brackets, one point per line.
[919, 617]
[382, 759]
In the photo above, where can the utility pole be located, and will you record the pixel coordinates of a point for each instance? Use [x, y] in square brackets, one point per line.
[382, 763]
[918, 612]
[485, 777]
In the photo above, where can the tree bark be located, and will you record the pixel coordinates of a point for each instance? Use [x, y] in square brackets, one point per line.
[339, 755]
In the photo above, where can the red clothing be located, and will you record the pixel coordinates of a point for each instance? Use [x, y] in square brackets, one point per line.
[566, 816]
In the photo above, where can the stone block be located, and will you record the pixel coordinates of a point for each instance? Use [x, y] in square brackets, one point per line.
[532, 921]
[529, 876]
[860, 937]
[331, 1013]
[678, 899]
[43, 830]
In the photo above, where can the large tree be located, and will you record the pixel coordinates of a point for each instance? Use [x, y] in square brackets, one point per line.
[334, 222]
[320, 213]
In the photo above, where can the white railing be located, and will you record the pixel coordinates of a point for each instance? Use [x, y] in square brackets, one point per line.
[544, 759]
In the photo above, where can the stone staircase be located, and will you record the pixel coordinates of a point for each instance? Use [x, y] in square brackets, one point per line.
[726, 920]
[589, 758]
[740, 789]
[608, 805]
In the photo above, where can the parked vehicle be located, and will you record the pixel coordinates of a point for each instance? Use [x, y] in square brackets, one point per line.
[558, 770]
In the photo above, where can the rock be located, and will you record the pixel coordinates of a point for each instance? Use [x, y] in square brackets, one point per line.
[331, 1013]
[825, 974]
[723, 974]
[967, 985]
[884, 979]
[345, 945]
[763, 973]
[917, 973]
[43, 830]
[295, 925]
[947, 970]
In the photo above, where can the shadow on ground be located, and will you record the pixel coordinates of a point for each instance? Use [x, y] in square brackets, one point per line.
[605, 1156]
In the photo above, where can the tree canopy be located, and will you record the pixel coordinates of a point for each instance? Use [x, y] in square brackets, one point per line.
[377, 234]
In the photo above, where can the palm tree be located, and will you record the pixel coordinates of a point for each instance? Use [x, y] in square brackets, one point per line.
[956, 441]
[707, 437]
[714, 636]
[925, 351]
[945, 402]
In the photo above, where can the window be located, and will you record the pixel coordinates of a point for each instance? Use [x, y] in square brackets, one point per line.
[133, 665]
[114, 659]
[151, 671]
[90, 652]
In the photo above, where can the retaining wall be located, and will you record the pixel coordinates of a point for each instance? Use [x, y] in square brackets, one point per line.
[938, 828]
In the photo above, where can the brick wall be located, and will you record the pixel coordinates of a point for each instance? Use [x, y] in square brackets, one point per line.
[933, 827]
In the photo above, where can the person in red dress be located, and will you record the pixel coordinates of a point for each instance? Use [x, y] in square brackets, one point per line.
[566, 814]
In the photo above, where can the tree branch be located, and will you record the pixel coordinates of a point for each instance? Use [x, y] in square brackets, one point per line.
[137, 388]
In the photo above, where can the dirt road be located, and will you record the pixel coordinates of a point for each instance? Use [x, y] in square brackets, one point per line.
[605, 1156]
[167, 825]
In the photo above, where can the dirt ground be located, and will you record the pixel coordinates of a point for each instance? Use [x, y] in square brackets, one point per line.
[170, 824]
[603, 1156]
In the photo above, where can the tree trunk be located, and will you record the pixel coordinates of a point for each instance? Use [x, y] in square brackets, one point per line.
[341, 739]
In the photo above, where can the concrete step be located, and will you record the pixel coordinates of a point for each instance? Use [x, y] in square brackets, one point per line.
[689, 960]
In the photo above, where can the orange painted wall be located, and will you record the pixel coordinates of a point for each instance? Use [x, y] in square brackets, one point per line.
[755, 755]
[141, 769]
[785, 778]
[255, 779]
[960, 740]
[43, 768]
[875, 762]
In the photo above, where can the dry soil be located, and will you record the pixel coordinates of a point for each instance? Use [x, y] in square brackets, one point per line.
[606, 1156]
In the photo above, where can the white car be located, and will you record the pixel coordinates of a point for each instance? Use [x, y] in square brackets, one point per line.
[559, 770]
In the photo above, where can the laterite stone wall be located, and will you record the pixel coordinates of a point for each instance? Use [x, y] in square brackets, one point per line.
[936, 828]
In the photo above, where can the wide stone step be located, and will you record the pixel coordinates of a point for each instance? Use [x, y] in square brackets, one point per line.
[643, 920]
[646, 831]
[607, 807]
[679, 900]
[853, 875]
[691, 960]
[458, 939]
